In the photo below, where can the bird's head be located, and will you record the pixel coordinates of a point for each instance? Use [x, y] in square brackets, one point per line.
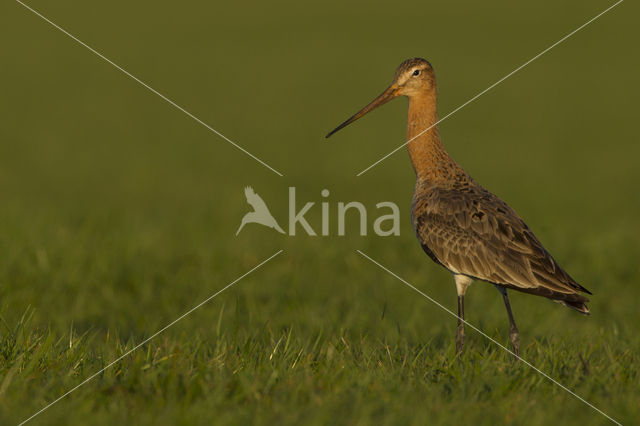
[414, 77]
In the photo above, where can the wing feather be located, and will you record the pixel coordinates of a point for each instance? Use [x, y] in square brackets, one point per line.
[475, 233]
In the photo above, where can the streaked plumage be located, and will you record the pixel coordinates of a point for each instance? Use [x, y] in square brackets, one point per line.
[472, 232]
[461, 225]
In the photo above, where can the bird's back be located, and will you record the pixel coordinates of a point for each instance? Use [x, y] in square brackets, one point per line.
[471, 231]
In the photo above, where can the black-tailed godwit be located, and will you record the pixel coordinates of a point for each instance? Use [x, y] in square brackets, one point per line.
[461, 225]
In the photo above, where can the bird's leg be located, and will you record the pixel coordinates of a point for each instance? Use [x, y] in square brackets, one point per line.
[460, 336]
[514, 334]
[462, 282]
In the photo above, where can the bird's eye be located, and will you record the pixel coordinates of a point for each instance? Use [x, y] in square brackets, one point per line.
[416, 72]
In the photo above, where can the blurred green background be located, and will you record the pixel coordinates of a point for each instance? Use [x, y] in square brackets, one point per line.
[118, 212]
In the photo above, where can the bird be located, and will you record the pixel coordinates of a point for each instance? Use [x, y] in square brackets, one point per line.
[260, 213]
[460, 224]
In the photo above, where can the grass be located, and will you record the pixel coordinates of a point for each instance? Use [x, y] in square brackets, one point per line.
[118, 214]
[265, 375]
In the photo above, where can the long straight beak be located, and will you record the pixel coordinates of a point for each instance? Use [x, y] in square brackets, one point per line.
[390, 93]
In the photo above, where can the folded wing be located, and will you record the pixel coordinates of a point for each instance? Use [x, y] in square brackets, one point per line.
[476, 234]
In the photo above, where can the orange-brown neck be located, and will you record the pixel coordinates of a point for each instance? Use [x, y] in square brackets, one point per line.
[430, 160]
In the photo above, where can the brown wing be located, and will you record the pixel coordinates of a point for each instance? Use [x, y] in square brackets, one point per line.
[477, 234]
